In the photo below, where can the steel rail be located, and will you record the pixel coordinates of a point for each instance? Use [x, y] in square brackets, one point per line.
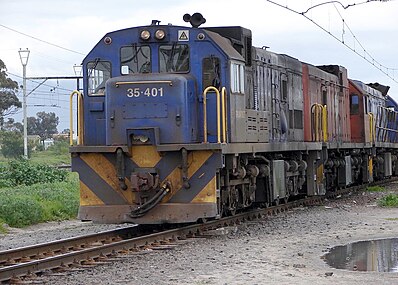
[73, 243]
[78, 258]
[98, 253]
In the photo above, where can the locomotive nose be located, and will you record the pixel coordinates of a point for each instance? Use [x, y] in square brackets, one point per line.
[161, 110]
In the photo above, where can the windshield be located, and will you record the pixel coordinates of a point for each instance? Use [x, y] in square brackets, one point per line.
[174, 58]
[136, 58]
[98, 73]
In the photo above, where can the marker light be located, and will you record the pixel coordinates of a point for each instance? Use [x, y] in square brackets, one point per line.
[160, 34]
[145, 35]
[108, 40]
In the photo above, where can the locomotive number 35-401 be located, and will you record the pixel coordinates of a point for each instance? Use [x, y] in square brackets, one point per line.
[149, 92]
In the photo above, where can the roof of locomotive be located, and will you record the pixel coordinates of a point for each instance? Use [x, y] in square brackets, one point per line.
[366, 89]
[224, 43]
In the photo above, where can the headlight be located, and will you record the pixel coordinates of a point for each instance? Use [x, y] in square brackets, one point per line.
[140, 138]
[145, 35]
[159, 34]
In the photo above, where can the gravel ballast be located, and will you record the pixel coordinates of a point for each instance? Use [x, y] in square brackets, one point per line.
[283, 249]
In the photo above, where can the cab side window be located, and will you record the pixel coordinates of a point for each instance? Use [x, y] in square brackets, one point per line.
[354, 104]
[98, 73]
[237, 78]
[211, 72]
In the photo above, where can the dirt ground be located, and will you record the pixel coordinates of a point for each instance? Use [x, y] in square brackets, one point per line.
[285, 249]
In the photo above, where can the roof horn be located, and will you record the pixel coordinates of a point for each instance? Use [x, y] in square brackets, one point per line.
[196, 19]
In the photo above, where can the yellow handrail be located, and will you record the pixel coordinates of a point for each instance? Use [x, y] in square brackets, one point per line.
[224, 113]
[321, 121]
[315, 111]
[211, 88]
[79, 118]
[325, 123]
[371, 127]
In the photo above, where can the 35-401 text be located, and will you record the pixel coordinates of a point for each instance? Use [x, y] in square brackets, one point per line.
[149, 92]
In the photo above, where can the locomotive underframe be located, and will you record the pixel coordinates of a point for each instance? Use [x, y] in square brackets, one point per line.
[259, 175]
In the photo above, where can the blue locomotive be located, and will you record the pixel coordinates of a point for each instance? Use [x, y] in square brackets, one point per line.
[179, 124]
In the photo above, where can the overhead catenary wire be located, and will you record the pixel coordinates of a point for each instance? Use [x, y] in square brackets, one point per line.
[341, 4]
[52, 86]
[360, 44]
[373, 62]
[40, 40]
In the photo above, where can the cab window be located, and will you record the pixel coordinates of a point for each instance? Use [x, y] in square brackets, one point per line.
[174, 58]
[237, 78]
[354, 104]
[211, 72]
[98, 73]
[135, 59]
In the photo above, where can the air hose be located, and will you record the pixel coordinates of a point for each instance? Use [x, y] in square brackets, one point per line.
[151, 203]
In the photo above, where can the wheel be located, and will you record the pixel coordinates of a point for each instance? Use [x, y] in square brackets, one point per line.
[233, 201]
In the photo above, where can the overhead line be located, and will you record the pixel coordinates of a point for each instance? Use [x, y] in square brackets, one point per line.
[360, 44]
[60, 88]
[40, 40]
[336, 38]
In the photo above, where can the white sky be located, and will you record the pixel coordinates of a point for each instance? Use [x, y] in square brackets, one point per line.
[78, 25]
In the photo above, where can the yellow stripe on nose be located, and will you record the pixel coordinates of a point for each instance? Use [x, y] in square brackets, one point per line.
[195, 161]
[145, 155]
[106, 170]
[198, 158]
[87, 197]
[208, 194]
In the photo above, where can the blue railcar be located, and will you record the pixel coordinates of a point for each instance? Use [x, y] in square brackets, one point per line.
[178, 124]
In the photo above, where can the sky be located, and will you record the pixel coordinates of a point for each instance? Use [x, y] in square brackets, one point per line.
[75, 26]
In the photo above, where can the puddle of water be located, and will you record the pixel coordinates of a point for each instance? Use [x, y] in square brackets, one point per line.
[375, 255]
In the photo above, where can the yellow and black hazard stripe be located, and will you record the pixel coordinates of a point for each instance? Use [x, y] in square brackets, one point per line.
[99, 184]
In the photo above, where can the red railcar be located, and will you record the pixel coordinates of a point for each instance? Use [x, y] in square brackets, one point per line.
[326, 104]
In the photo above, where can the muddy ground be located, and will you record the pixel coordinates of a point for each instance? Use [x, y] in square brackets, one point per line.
[284, 249]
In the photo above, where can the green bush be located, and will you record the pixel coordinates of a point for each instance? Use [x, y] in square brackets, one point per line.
[23, 172]
[26, 205]
[375, 189]
[20, 211]
[60, 147]
[12, 144]
[3, 229]
[391, 200]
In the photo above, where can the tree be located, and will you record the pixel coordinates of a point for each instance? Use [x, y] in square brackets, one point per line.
[12, 144]
[11, 125]
[45, 125]
[9, 102]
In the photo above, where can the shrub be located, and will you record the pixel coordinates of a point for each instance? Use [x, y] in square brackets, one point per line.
[26, 205]
[20, 211]
[3, 229]
[391, 200]
[23, 172]
[375, 189]
[12, 144]
[60, 147]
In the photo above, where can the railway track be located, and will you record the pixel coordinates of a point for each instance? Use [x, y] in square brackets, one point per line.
[21, 264]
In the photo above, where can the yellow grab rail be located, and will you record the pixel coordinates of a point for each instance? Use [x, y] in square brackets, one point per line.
[211, 88]
[325, 123]
[224, 113]
[320, 121]
[372, 127]
[315, 110]
[79, 118]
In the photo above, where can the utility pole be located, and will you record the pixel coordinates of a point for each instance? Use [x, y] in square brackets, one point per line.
[24, 56]
[78, 72]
